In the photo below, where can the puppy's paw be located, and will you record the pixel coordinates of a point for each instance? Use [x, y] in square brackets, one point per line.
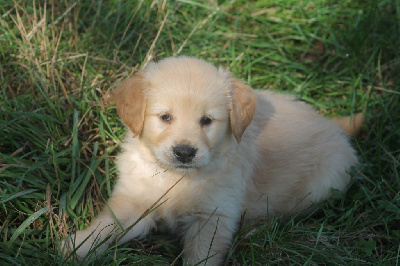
[83, 243]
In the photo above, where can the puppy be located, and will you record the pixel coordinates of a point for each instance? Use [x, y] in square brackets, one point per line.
[202, 149]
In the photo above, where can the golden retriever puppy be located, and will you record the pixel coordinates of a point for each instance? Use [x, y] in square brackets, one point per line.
[202, 149]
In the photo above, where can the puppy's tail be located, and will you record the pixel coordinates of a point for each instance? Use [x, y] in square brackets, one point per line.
[350, 124]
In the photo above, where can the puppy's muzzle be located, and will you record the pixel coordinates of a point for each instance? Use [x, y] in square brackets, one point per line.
[184, 154]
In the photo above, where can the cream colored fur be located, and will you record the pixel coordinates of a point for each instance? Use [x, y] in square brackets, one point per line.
[264, 154]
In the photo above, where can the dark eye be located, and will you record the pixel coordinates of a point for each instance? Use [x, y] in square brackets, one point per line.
[205, 121]
[166, 118]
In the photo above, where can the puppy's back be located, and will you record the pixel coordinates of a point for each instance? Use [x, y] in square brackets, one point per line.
[301, 155]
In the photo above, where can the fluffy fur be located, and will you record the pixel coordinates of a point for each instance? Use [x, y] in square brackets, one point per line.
[209, 148]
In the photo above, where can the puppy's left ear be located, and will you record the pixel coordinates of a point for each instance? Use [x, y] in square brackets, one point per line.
[131, 103]
[244, 103]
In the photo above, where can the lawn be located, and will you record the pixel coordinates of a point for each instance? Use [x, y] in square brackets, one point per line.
[59, 134]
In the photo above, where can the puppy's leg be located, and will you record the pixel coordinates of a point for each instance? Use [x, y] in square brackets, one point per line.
[105, 228]
[207, 239]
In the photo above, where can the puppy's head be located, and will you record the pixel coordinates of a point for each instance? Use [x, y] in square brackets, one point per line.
[185, 111]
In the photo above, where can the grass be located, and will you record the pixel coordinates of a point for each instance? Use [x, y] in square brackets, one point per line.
[59, 136]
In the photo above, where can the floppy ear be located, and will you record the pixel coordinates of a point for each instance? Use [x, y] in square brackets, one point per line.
[244, 103]
[130, 101]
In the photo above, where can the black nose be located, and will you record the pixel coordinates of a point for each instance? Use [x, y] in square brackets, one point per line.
[184, 153]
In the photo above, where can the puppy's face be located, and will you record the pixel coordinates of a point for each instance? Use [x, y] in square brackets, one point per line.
[187, 119]
[185, 111]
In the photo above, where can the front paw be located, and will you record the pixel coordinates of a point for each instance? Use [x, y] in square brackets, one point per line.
[83, 243]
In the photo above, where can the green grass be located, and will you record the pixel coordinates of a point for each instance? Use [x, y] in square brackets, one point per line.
[59, 136]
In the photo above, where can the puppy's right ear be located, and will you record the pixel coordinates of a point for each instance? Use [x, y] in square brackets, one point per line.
[131, 103]
[243, 107]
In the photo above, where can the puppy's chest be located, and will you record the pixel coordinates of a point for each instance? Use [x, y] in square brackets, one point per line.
[203, 198]
[182, 196]
[178, 195]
